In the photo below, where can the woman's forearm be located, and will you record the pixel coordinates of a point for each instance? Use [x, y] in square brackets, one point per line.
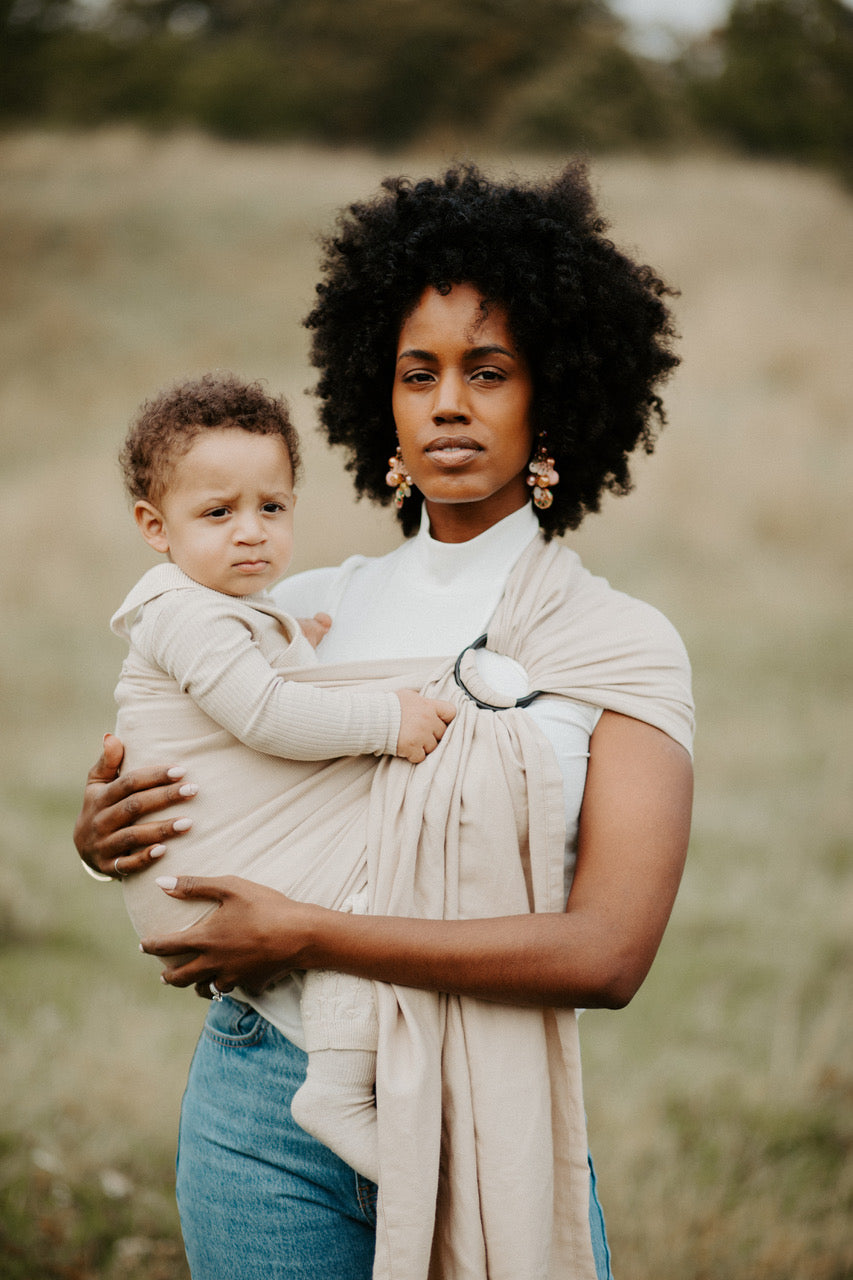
[633, 833]
[258, 936]
[632, 840]
[558, 960]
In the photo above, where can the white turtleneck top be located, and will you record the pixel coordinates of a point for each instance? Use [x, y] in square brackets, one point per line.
[432, 599]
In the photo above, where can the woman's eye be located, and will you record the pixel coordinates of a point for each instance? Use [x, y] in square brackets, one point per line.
[418, 376]
[490, 375]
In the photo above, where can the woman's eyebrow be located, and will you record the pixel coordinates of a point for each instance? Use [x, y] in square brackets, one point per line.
[414, 353]
[492, 349]
[473, 353]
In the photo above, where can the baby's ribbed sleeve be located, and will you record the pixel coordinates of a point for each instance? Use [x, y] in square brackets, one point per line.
[211, 650]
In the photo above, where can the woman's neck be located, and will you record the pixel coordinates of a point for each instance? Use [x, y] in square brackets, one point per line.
[462, 521]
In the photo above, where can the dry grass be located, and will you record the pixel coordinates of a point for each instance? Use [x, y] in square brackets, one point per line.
[721, 1101]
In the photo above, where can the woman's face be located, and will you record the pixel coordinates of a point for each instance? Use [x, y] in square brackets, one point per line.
[462, 406]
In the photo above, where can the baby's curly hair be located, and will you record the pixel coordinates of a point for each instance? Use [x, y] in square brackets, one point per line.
[166, 426]
[592, 323]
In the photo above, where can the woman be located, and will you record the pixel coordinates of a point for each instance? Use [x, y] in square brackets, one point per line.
[493, 342]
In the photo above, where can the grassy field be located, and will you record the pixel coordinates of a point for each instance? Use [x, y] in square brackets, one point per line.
[721, 1100]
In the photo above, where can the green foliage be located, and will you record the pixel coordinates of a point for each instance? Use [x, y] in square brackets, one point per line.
[778, 80]
[373, 71]
[597, 96]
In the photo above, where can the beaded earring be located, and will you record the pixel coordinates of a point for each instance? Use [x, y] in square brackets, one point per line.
[542, 476]
[398, 478]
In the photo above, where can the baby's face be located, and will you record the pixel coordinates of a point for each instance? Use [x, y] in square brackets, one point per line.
[226, 517]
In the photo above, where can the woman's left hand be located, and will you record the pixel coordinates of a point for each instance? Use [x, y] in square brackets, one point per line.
[250, 941]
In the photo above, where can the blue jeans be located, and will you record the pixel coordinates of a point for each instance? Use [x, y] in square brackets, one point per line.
[259, 1198]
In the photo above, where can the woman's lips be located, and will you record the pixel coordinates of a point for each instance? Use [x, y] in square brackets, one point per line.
[452, 451]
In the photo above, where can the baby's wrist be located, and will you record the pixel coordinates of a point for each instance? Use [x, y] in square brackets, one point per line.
[395, 723]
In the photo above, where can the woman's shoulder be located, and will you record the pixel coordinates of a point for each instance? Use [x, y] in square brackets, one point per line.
[603, 646]
[313, 591]
[320, 590]
[633, 650]
[551, 583]
[595, 605]
[637, 626]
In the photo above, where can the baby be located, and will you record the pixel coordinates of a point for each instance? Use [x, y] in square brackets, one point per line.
[210, 466]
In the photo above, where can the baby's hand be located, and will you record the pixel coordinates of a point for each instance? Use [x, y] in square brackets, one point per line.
[315, 628]
[422, 724]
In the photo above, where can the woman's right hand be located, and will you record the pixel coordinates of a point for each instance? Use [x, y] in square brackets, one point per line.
[254, 938]
[111, 834]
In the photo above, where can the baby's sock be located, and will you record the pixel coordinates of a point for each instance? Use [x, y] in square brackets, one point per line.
[336, 1103]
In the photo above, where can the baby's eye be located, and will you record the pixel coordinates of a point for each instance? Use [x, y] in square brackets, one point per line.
[217, 513]
[270, 508]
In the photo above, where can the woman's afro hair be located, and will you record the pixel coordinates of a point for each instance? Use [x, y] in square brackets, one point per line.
[593, 324]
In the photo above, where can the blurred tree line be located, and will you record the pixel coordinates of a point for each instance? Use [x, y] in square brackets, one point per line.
[776, 78]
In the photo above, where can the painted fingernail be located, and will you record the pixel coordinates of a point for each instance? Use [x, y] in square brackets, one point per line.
[157, 851]
[189, 789]
[166, 882]
[175, 772]
[182, 824]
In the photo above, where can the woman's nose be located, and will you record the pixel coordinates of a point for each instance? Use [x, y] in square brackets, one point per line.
[450, 404]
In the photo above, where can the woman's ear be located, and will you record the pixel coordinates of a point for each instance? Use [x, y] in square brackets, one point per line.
[152, 526]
